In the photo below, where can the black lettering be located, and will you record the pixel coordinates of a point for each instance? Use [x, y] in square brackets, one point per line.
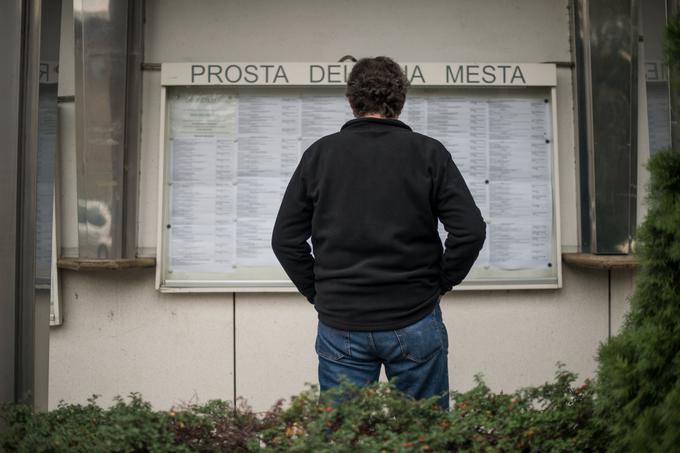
[471, 73]
[196, 70]
[280, 72]
[504, 67]
[417, 73]
[488, 70]
[250, 70]
[517, 74]
[214, 70]
[238, 72]
[311, 73]
[450, 77]
[266, 71]
[333, 70]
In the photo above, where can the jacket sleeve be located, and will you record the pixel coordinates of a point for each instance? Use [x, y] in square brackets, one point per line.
[292, 228]
[462, 221]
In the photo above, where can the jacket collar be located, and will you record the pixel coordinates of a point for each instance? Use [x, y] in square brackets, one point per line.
[370, 121]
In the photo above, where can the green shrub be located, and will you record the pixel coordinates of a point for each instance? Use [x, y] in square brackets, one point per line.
[88, 428]
[132, 427]
[639, 373]
[554, 417]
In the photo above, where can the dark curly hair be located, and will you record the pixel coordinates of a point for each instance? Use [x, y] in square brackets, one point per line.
[377, 85]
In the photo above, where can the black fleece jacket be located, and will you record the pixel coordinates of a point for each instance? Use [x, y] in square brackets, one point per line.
[370, 196]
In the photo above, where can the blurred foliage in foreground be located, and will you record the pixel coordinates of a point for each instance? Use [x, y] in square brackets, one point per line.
[557, 416]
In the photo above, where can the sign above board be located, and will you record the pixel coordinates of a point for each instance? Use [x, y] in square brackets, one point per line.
[336, 74]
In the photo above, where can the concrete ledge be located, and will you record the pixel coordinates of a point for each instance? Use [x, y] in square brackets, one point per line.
[592, 261]
[83, 264]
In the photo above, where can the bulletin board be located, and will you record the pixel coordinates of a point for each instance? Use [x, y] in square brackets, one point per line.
[233, 133]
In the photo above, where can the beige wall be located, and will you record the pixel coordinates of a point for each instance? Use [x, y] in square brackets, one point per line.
[120, 335]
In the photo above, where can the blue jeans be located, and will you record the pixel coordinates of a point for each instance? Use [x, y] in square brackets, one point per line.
[416, 355]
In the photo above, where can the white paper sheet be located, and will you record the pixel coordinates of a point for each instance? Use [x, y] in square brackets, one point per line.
[202, 113]
[259, 156]
[513, 160]
[518, 244]
[414, 113]
[202, 183]
[258, 196]
[259, 115]
[254, 242]
[520, 199]
[202, 248]
[518, 119]
[323, 115]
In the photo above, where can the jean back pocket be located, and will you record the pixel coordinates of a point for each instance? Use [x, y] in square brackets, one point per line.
[421, 340]
[331, 343]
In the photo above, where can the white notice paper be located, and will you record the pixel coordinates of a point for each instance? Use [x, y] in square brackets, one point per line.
[258, 196]
[414, 113]
[520, 245]
[202, 182]
[254, 242]
[323, 115]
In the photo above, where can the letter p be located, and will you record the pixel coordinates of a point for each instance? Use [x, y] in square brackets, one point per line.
[196, 70]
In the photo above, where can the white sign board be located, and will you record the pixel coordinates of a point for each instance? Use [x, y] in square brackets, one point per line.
[229, 152]
[329, 74]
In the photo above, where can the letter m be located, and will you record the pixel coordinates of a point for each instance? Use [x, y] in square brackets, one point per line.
[454, 78]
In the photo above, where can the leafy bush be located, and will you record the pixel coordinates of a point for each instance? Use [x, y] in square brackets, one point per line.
[132, 427]
[78, 428]
[553, 417]
[639, 374]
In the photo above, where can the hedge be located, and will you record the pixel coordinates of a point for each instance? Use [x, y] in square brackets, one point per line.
[557, 416]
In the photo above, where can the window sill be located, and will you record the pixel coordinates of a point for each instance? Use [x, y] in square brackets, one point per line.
[591, 261]
[83, 264]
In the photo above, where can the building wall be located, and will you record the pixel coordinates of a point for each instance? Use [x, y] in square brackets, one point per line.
[121, 335]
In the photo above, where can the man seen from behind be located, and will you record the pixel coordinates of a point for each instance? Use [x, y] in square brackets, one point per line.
[370, 196]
